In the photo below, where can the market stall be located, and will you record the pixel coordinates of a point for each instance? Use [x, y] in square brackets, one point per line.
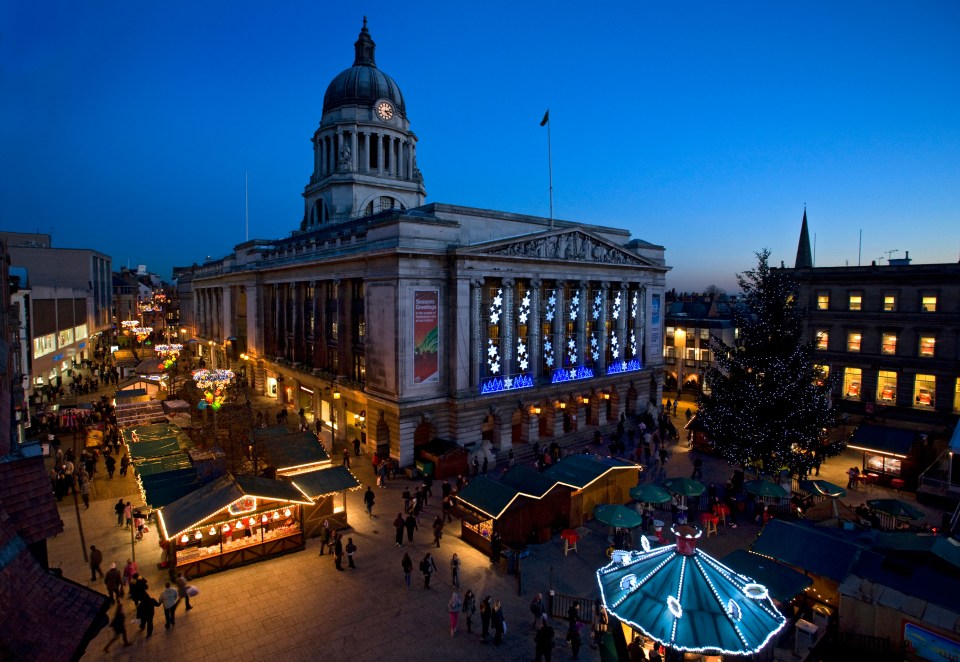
[484, 506]
[290, 453]
[593, 481]
[447, 458]
[232, 521]
[327, 488]
[887, 454]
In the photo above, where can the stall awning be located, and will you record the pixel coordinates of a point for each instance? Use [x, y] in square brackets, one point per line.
[806, 547]
[188, 511]
[325, 481]
[292, 451]
[124, 358]
[782, 582]
[579, 471]
[878, 439]
[149, 367]
[488, 496]
[527, 480]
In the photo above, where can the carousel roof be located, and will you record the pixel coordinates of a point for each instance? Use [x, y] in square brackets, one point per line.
[687, 600]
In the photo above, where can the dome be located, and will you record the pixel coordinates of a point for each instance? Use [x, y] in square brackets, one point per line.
[362, 84]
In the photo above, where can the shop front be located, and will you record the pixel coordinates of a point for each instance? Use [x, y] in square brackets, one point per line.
[232, 521]
[887, 454]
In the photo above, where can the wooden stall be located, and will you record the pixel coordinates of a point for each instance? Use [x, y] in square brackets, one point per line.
[328, 489]
[290, 452]
[448, 458]
[593, 481]
[888, 455]
[231, 521]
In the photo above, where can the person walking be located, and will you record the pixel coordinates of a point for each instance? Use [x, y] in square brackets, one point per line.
[128, 515]
[118, 508]
[119, 625]
[146, 609]
[398, 524]
[169, 600]
[537, 609]
[427, 566]
[85, 492]
[368, 498]
[183, 590]
[543, 640]
[138, 588]
[469, 609]
[437, 530]
[129, 572]
[350, 549]
[407, 564]
[485, 614]
[124, 463]
[114, 583]
[455, 571]
[498, 623]
[411, 524]
[453, 608]
[110, 463]
[600, 622]
[338, 552]
[96, 558]
[573, 629]
[324, 536]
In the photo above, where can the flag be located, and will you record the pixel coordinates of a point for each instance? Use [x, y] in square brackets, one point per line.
[546, 117]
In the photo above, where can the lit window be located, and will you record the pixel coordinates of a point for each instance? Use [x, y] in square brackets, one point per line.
[889, 302]
[924, 391]
[823, 301]
[887, 386]
[929, 303]
[823, 339]
[889, 343]
[927, 344]
[856, 301]
[853, 341]
[851, 383]
[704, 334]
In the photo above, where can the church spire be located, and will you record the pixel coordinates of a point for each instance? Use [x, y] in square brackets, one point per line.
[804, 257]
[364, 47]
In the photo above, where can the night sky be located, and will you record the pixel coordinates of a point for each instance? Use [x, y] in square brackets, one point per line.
[128, 127]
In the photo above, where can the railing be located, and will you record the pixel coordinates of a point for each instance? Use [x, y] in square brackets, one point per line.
[558, 605]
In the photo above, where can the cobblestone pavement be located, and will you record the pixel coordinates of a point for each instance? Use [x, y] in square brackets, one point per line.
[298, 607]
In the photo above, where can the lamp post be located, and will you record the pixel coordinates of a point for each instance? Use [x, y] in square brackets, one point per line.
[680, 345]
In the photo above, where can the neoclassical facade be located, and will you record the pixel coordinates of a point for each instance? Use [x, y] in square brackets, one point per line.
[399, 322]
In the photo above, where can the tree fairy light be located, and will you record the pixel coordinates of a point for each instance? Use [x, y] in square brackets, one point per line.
[214, 384]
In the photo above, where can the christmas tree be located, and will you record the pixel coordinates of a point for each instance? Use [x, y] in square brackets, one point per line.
[769, 404]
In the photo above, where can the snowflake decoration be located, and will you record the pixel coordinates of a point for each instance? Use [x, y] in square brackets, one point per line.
[522, 355]
[614, 345]
[548, 353]
[633, 343]
[493, 352]
[634, 303]
[523, 313]
[551, 311]
[574, 307]
[496, 307]
[597, 300]
[616, 307]
[572, 351]
[594, 347]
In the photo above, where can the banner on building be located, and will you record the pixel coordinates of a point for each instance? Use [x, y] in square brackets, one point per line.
[655, 326]
[426, 336]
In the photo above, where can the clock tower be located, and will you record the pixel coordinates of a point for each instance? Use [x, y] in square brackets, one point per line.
[364, 153]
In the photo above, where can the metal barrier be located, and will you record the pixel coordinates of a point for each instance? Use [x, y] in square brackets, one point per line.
[558, 605]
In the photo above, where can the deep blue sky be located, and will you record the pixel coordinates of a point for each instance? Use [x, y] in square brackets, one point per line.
[701, 126]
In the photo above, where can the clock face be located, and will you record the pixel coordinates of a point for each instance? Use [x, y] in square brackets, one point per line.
[385, 110]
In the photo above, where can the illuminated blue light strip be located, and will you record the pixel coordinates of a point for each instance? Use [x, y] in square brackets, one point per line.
[498, 384]
[624, 366]
[571, 374]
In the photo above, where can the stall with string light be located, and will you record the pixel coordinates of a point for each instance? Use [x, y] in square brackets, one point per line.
[231, 521]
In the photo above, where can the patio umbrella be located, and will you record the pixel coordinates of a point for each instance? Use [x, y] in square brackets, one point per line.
[649, 494]
[686, 487]
[764, 488]
[822, 488]
[686, 600]
[895, 508]
[617, 515]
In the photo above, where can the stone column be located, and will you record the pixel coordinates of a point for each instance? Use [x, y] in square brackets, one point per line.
[401, 161]
[477, 324]
[379, 139]
[533, 340]
[354, 154]
[585, 304]
[508, 325]
[600, 367]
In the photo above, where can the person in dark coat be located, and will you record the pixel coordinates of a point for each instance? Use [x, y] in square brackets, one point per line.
[437, 530]
[119, 625]
[146, 608]
[111, 464]
[119, 510]
[399, 524]
[96, 558]
[485, 614]
[114, 583]
[497, 622]
[411, 524]
[338, 552]
[496, 546]
[543, 640]
[573, 629]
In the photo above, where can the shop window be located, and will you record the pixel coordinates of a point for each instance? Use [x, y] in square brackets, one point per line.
[823, 339]
[882, 464]
[927, 345]
[886, 386]
[853, 341]
[852, 379]
[925, 391]
[705, 334]
[928, 303]
[889, 302]
[360, 367]
[888, 343]
[855, 301]
[823, 301]
[956, 395]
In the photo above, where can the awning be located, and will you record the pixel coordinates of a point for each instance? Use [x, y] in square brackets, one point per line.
[805, 547]
[879, 439]
[782, 582]
[325, 481]
[188, 511]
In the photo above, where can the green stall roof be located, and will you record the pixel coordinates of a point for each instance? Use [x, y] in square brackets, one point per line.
[782, 582]
[487, 496]
[298, 449]
[325, 481]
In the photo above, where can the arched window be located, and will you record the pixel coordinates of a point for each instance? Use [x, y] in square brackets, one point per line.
[383, 203]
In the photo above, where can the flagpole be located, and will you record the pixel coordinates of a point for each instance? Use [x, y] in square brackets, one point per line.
[550, 170]
[246, 205]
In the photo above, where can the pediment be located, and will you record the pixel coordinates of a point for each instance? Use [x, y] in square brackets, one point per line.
[563, 245]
